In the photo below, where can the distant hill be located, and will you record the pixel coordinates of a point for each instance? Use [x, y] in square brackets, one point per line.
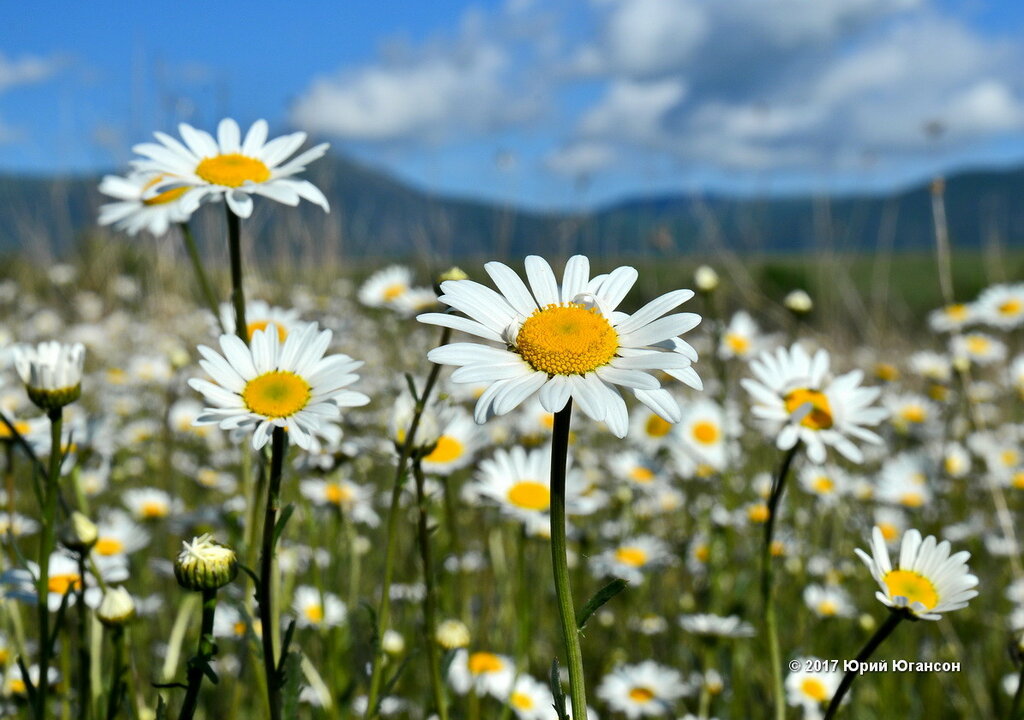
[374, 215]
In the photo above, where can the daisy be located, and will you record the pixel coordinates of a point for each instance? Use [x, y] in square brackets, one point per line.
[456, 445]
[119, 536]
[650, 431]
[909, 413]
[260, 315]
[1001, 306]
[150, 503]
[636, 469]
[531, 699]
[385, 287]
[137, 208]
[273, 384]
[794, 393]
[828, 601]
[828, 483]
[355, 500]
[484, 673]
[51, 371]
[903, 480]
[632, 558]
[231, 167]
[702, 434]
[978, 348]
[926, 582]
[811, 690]
[315, 609]
[566, 342]
[643, 690]
[741, 338]
[951, 317]
[707, 625]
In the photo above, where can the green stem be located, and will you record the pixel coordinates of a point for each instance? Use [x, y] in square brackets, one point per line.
[204, 653]
[46, 545]
[197, 267]
[84, 679]
[560, 564]
[384, 608]
[430, 597]
[880, 635]
[279, 446]
[117, 684]
[767, 597]
[237, 293]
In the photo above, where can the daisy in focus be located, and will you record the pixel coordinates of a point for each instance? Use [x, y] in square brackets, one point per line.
[799, 401]
[272, 384]
[230, 166]
[927, 580]
[566, 342]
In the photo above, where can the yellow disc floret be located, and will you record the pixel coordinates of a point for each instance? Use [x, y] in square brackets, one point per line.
[814, 405]
[530, 495]
[276, 394]
[914, 586]
[448, 449]
[481, 663]
[232, 170]
[632, 556]
[641, 695]
[567, 339]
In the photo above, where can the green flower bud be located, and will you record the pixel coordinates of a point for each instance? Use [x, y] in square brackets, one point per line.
[116, 608]
[80, 533]
[205, 564]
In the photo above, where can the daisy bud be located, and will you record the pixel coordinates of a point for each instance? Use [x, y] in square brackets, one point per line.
[798, 302]
[452, 634]
[706, 279]
[52, 373]
[205, 564]
[80, 533]
[453, 273]
[116, 608]
[393, 643]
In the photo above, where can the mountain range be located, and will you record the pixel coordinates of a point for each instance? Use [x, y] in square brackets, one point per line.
[375, 215]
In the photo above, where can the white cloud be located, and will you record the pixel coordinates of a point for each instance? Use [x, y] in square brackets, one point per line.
[581, 159]
[25, 70]
[632, 109]
[644, 38]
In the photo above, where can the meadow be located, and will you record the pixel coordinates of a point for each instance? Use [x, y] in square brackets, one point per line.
[411, 553]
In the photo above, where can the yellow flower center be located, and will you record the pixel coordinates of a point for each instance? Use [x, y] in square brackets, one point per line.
[702, 553]
[239, 628]
[448, 449]
[913, 414]
[232, 170]
[337, 493]
[167, 196]
[394, 291]
[641, 695]
[314, 613]
[1011, 307]
[956, 312]
[1018, 480]
[814, 689]
[20, 426]
[823, 485]
[282, 331]
[889, 531]
[109, 546]
[632, 556]
[481, 663]
[153, 509]
[912, 499]
[977, 345]
[827, 607]
[567, 340]
[819, 416]
[705, 432]
[739, 344]
[276, 394]
[657, 426]
[530, 495]
[641, 475]
[61, 584]
[521, 701]
[17, 686]
[1009, 457]
[914, 586]
[758, 513]
[886, 372]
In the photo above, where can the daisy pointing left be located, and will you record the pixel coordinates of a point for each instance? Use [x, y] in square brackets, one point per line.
[277, 389]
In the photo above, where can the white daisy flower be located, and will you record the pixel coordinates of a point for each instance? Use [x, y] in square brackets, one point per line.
[315, 609]
[274, 384]
[632, 558]
[456, 445]
[385, 287]
[1001, 306]
[927, 581]
[828, 483]
[741, 338]
[702, 439]
[811, 690]
[794, 394]
[231, 167]
[531, 699]
[260, 315]
[709, 625]
[137, 208]
[50, 367]
[951, 317]
[828, 601]
[978, 348]
[485, 673]
[646, 689]
[150, 503]
[354, 500]
[566, 342]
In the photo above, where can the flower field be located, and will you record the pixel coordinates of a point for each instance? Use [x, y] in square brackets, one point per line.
[532, 489]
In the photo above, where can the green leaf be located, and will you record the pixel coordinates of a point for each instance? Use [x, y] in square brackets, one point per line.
[281, 522]
[600, 598]
[556, 692]
[161, 709]
[291, 669]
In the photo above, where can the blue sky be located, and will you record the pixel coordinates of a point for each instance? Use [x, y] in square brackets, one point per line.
[537, 102]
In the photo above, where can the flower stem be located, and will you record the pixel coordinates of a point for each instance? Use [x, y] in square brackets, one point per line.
[197, 267]
[384, 608]
[430, 597]
[82, 615]
[767, 597]
[877, 639]
[560, 564]
[279, 446]
[204, 653]
[51, 491]
[237, 293]
[118, 669]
